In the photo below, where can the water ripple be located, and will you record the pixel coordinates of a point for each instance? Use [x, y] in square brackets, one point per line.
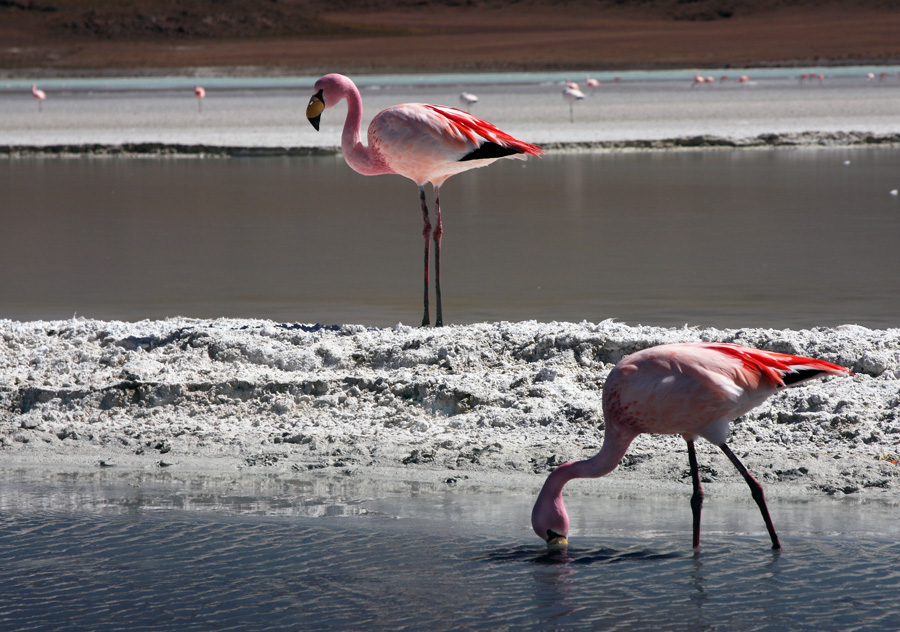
[185, 571]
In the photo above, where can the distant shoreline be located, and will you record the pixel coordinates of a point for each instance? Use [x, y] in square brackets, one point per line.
[705, 142]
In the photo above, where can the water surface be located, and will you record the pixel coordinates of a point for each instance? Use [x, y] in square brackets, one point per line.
[781, 238]
[79, 554]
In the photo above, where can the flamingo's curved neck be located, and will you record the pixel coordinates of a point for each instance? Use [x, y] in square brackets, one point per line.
[361, 159]
[615, 444]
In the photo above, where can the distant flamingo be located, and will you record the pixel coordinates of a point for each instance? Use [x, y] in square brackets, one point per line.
[201, 94]
[570, 96]
[572, 85]
[691, 389]
[468, 99]
[699, 80]
[40, 95]
[425, 143]
[592, 83]
[743, 79]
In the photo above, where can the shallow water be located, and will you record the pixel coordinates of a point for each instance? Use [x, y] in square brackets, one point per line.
[780, 238]
[83, 554]
[247, 112]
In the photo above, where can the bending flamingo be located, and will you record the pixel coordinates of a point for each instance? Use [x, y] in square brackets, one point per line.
[425, 143]
[40, 95]
[691, 389]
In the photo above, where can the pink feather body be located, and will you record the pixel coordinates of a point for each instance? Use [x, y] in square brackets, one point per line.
[423, 142]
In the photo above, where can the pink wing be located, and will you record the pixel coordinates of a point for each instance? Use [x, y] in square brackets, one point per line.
[780, 369]
[476, 130]
[430, 143]
[697, 388]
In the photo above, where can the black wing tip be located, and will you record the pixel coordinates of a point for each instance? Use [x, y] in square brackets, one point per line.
[488, 151]
[801, 375]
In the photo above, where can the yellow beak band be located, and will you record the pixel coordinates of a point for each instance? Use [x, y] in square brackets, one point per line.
[315, 108]
[557, 543]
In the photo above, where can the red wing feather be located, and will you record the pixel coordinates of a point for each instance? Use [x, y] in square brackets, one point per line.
[476, 129]
[774, 365]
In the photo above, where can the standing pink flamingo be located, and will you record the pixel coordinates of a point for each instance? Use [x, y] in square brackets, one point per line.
[425, 143]
[40, 95]
[200, 93]
[691, 389]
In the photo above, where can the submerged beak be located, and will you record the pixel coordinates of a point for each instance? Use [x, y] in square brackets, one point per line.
[556, 542]
[314, 109]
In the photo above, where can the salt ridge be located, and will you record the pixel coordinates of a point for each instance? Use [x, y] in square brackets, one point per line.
[474, 400]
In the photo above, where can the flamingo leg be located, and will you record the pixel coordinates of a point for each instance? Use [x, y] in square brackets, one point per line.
[438, 234]
[757, 491]
[426, 233]
[697, 497]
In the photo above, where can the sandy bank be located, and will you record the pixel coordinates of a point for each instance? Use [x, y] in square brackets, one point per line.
[763, 141]
[491, 404]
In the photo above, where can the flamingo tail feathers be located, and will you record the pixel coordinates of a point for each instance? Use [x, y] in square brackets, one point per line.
[781, 369]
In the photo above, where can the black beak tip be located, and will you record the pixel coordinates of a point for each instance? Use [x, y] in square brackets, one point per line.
[315, 122]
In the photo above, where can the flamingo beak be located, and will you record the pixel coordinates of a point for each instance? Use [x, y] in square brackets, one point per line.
[314, 109]
[556, 542]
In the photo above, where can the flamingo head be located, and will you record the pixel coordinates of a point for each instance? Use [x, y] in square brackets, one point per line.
[330, 89]
[549, 518]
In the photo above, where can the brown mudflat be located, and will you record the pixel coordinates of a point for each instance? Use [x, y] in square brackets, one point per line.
[300, 36]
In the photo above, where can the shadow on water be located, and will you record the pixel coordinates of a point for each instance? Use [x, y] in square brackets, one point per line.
[577, 556]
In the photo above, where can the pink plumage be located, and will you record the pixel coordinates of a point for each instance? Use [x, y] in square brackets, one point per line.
[200, 93]
[38, 94]
[691, 389]
[423, 142]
